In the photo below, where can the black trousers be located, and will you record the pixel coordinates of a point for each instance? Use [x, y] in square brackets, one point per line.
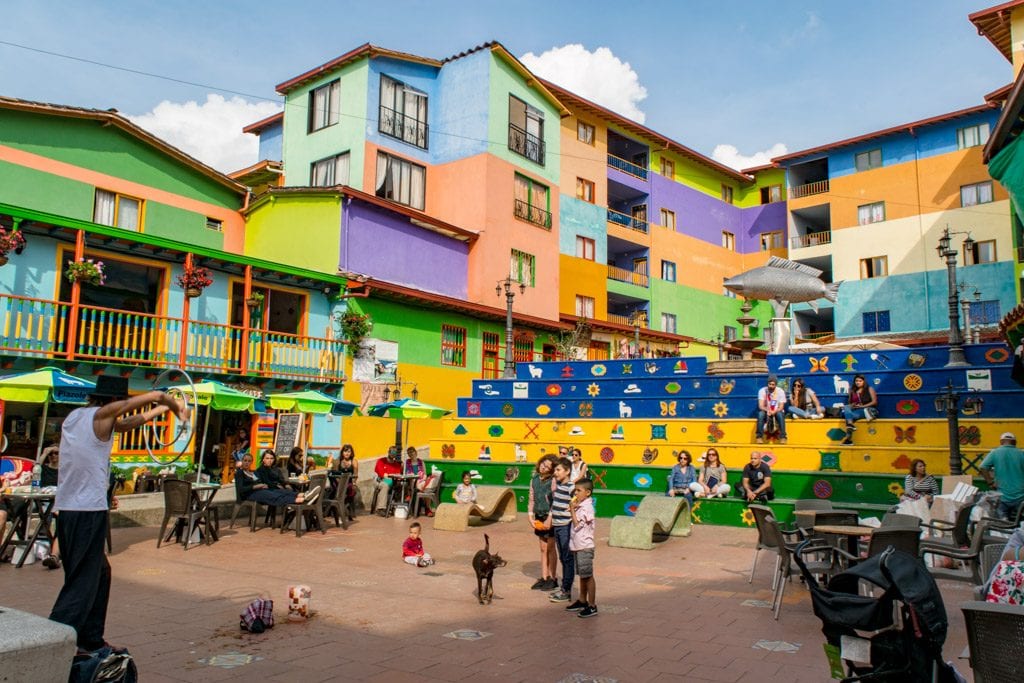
[82, 602]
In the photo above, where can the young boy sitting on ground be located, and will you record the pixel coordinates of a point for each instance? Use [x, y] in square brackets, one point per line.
[412, 548]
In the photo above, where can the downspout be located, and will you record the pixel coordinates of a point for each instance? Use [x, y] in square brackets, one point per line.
[345, 224]
[920, 229]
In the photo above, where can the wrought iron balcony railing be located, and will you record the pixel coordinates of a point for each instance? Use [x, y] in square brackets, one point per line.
[525, 144]
[626, 221]
[533, 214]
[627, 167]
[406, 128]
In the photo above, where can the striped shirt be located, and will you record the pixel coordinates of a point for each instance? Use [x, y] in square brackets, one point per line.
[560, 515]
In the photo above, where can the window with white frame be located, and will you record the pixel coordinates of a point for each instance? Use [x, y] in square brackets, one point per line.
[214, 224]
[525, 130]
[585, 133]
[865, 161]
[728, 240]
[584, 306]
[771, 240]
[324, 105]
[771, 193]
[972, 136]
[585, 247]
[523, 268]
[976, 193]
[403, 112]
[585, 190]
[330, 171]
[668, 323]
[117, 210]
[401, 181]
[871, 213]
[668, 271]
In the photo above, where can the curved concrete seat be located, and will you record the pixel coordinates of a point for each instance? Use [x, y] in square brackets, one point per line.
[661, 515]
[493, 503]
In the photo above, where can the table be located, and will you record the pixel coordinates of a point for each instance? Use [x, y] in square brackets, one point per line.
[400, 490]
[40, 504]
[202, 501]
[852, 533]
[804, 519]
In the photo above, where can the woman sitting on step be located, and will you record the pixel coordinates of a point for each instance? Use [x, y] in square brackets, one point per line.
[682, 480]
[712, 479]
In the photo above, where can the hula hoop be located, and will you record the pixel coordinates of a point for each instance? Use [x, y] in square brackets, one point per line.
[185, 429]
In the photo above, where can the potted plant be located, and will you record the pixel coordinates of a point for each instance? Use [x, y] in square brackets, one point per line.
[194, 280]
[86, 271]
[10, 240]
[255, 300]
[354, 328]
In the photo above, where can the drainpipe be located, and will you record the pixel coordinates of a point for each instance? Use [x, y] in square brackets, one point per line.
[185, 308]
[920, 230]
[76, 295]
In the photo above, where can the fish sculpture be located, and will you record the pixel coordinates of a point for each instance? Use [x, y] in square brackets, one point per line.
[783, 280]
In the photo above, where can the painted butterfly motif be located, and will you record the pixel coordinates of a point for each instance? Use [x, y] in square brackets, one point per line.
[650, 455]
[819, 365]
[668, 408]
[908, 434]
[970, 435]
[448, 450]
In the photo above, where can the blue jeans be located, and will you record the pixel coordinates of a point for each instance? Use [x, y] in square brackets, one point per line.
[799, 412]
[762, 422]
[1008, 508]
[853, 414]
[565, 556]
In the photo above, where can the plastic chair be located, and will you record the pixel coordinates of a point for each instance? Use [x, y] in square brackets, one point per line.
[957, 530]
[995, 637]
[901, 538]
[335, 505]
[785, 567]
[313, 511]
[178, 504]
[253, 508]
[969, 555]
[765, 539]
[812, 504]
[896, 519]
[430, 495]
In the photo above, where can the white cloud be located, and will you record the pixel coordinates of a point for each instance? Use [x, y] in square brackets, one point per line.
[731, 157]
[599, 76]
[211, 131]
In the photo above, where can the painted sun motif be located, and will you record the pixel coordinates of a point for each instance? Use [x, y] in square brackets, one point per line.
[593, 389]
[720, 409]
[747, 517]
[896, 489]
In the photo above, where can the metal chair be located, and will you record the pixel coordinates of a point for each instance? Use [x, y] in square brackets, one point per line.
[784, 567]
[314, 511]
[995, 637]
[253, 508]
[334, 505]
[430, 495]
[178, 504]
[765, 539]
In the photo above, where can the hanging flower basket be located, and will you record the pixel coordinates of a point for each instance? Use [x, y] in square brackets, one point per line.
[354, 327]
[194, 280]
[254, 301]
[86, 271]
[192, 292]
[10, 240]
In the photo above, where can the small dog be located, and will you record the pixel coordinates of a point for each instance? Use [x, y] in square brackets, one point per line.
[483, 564]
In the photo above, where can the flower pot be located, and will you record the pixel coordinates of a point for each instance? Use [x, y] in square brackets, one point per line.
[251, 303]
[3, 260]
[193, 292]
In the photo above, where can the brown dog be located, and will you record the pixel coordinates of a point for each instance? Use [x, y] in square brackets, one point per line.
[483, 564]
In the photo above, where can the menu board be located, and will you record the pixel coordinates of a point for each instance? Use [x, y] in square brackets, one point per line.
[289, 432]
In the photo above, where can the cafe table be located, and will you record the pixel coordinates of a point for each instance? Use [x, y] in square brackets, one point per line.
[804, 519]
[39, 506]
[202, 501]
[851, 532]
[400, 490]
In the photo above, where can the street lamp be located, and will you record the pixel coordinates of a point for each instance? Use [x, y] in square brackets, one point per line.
[956, 341]
[638, 318]
[966, 304]
[508, 286]
[948, 401]
[395, 395]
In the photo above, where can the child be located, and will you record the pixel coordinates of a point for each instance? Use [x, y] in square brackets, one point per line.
[538, 511]
[465, 492]
[561, 520]
[581, 510]
[579, 468]
[412, 548]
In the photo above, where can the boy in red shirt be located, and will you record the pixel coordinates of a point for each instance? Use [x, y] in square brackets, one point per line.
[412, 548]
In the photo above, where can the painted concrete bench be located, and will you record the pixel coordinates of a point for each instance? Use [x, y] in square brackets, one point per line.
[656, 515]
[33, 648]
[493, 503]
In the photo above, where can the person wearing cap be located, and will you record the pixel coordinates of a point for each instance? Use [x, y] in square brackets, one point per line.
[87, 437]
[383, 471]
[771, 405]
[1007, 463]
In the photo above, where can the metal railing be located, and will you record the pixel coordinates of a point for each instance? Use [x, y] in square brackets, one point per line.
[41, 328]
[626, 275]
[525, 144]
[628, 320]
[627, 221]
[811, 239]
[627, 167]
[402, 126]
[808, 189]
[533, 214]
[816, 338]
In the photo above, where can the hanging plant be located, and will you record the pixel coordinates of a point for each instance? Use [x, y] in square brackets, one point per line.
[354, 328]
[10, 240]
[87, 271]
[255, 300]
[194, 280]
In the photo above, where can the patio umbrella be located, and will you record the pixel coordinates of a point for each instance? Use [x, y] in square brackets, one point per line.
[217, 396]
[407, 409]
[313, 402]
[43, 386]
[860, 345]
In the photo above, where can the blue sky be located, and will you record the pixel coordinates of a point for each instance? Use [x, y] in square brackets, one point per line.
[746, 74]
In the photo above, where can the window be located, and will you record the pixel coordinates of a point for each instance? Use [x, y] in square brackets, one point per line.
[729, 333]
[523, 267]
[668, 168]
[522, 348]
[117, 210]
[875, 321]
[403, 112]
[401, 181]
[668, 219]
[972, 136]
[978, 193]
[330, 171]
[865, 161]
[726, 194]
[771, 240]
[668, 271]
[525, 130]
[585, 133]
[585, 190]
[585, 247]
[668, 323]
[980, 252]
[489, 356]
[728, 240]
[531, 202]
[772, 193]
[985, 312]
[283, 310]
[871, 213]
[214, 224]
[584, 306]
[453, 346]
[324, 105]
[876, 266]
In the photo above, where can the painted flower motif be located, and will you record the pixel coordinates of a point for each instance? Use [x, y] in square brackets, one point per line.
[598, 370]
[593, 389]
[473, 409]
[642, 481]
[907, 406]
[720, 409]
[543, 409]
[586, 409]
[896, 489]
[747, 517]
[673, 388]
[554, 390]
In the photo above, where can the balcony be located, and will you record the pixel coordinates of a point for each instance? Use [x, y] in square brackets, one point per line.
[625, 275]
[811, 239]
[627, 221]
[628, 320]
[816, 338]
[406, 128]
[533, 214]
[818, 187]
[627, 167]
[525, 144]
[41, 328]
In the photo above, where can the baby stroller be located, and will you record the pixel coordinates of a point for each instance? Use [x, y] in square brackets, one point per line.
[895, 636]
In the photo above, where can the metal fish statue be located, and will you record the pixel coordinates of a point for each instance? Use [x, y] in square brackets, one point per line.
[783, 280]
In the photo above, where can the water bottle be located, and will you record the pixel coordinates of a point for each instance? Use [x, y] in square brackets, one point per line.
[37, 475]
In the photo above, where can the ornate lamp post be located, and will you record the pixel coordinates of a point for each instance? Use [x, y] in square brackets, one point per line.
[508, 285]
[948, 401]
[966, 304]
[956, 341]
[395, 395]
[637, 320]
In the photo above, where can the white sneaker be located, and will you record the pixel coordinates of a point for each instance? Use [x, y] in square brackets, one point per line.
[816, 416]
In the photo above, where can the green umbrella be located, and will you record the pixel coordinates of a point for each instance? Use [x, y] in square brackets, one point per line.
[43, 386]
[312, 402]
[217, 396]
[408, 409]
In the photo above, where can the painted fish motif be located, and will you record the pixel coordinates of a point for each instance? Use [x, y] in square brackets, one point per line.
[783, 280]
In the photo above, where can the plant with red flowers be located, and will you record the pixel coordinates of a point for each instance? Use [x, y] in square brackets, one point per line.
[194, 280]
[11, 240]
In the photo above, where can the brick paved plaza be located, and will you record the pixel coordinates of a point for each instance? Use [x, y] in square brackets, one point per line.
[682, 612]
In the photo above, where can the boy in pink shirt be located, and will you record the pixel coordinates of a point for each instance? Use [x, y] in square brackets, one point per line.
[581, 543]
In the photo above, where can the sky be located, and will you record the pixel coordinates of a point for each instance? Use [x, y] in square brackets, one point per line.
[739, 81]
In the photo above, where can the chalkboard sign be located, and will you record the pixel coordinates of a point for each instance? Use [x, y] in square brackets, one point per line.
[289, 431]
